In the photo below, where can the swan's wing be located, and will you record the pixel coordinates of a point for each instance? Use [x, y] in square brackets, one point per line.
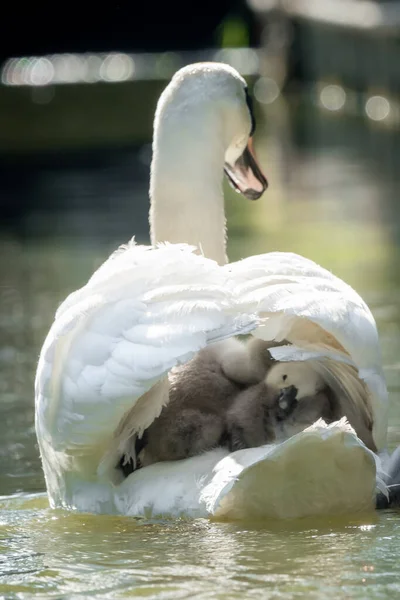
[144, 311]
[317, 312]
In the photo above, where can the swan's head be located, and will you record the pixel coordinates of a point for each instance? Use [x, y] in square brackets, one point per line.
[208, 103]
[300, 375]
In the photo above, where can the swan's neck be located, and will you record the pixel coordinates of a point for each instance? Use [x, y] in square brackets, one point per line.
[187, 203]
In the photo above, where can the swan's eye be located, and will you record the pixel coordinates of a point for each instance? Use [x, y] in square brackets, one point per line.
[284, 377]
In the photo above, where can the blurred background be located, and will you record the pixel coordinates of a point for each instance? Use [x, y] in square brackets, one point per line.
[79, 86]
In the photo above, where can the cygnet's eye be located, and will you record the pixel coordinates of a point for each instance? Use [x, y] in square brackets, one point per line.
[284, 377]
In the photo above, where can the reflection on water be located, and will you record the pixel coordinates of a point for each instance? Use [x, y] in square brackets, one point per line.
[332, 199]
[61, 554]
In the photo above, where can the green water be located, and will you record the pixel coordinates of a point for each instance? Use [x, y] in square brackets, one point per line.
[333, 201]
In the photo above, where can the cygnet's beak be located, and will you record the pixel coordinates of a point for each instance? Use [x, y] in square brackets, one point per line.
[246, 176]
[287, 396]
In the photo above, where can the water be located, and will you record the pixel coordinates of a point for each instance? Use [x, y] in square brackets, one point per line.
[333, 197]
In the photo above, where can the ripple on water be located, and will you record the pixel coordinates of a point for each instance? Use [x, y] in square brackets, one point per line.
[57, 553]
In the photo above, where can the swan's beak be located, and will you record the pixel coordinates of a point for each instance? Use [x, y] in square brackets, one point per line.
[246, 176]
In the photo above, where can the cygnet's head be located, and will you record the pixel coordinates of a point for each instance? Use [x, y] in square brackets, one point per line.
[204, 97]
[301, 375]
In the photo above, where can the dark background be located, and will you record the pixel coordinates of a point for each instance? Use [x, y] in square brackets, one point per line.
[43, 28]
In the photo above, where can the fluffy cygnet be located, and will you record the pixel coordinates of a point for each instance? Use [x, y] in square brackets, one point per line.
[291, 397]
[194, 420]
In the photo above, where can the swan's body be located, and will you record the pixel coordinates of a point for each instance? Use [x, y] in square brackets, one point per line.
[102, 373]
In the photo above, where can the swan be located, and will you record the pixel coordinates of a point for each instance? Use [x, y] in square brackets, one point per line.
[102, 375]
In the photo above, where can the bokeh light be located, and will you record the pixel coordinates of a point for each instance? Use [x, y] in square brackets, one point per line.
[332, 97]
[266, 90]
[377, 108]
[114, 67]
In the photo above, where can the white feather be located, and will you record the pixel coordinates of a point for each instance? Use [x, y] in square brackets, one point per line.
[319, 314]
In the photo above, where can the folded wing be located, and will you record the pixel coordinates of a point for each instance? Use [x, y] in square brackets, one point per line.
[323, 317]
[112, 341]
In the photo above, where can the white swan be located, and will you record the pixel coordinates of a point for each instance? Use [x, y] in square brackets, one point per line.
[102, 372]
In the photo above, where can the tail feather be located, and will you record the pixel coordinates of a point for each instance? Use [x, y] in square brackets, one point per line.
[392, 480]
